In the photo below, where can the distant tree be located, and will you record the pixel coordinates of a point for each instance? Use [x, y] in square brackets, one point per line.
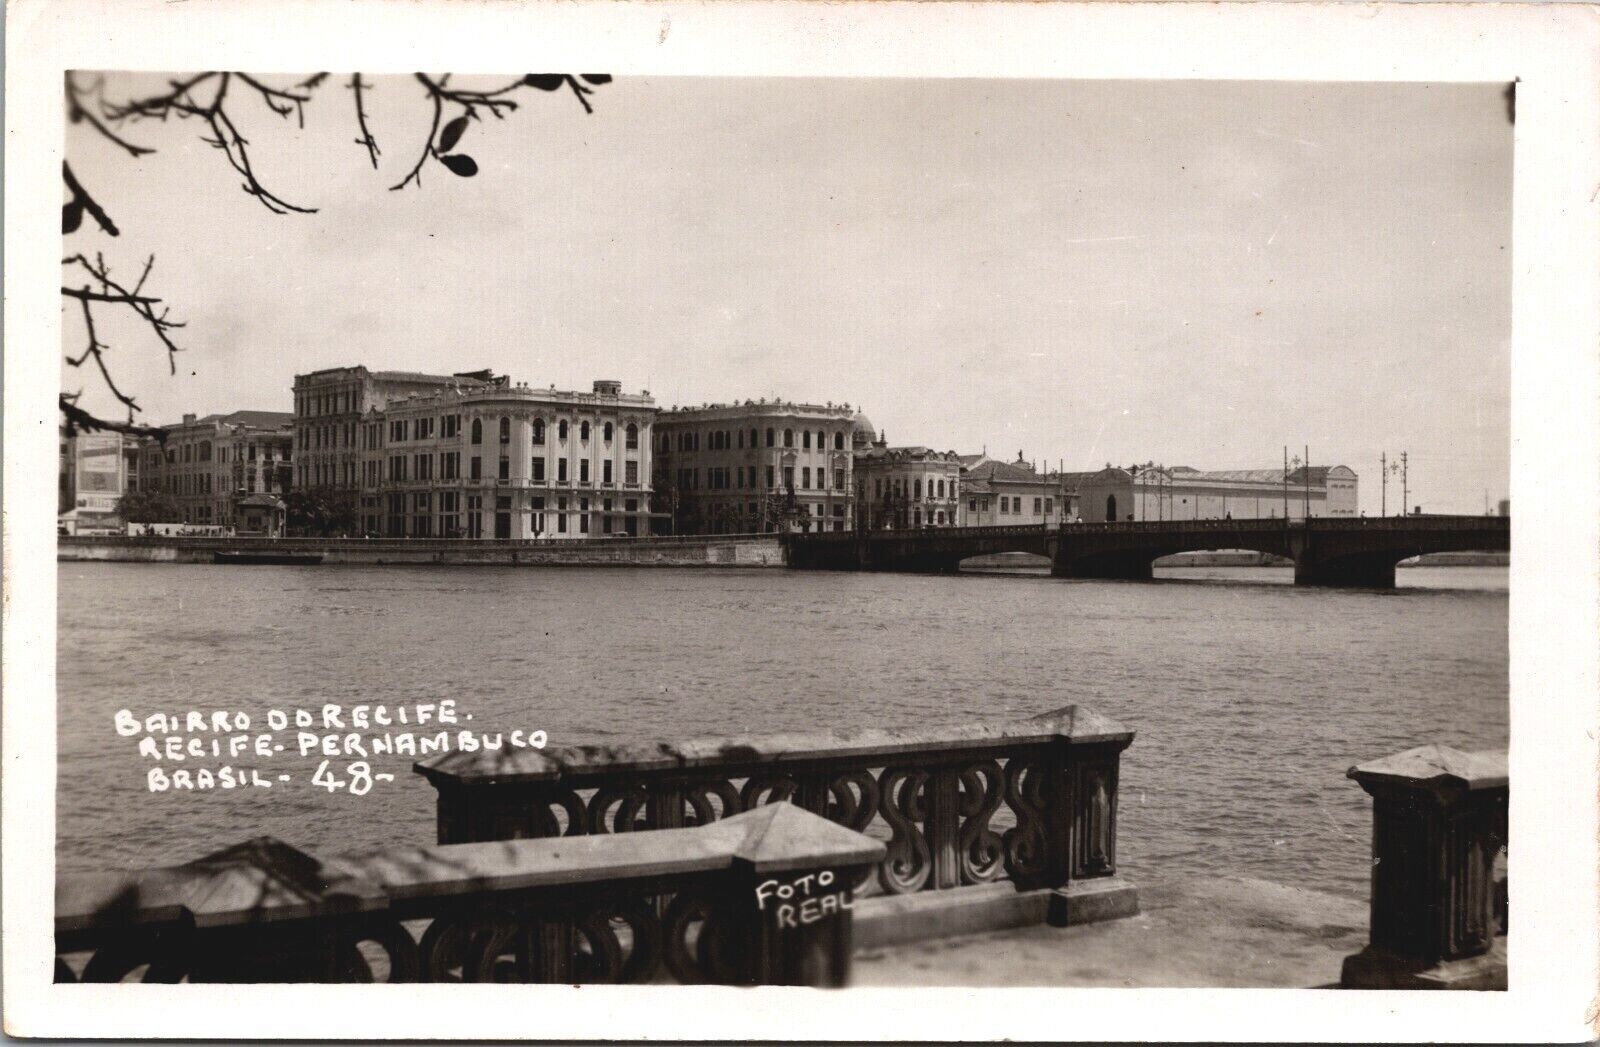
[781, 512]
[322, 511]
[88, 284]
[148, 507]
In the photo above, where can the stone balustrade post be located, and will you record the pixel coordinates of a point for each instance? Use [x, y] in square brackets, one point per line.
[1081, 812]
[1438, 822]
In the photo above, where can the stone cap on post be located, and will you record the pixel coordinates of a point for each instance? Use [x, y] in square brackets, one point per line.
[265, 880]
[262, 880]
[580, 764]
[1438, 770]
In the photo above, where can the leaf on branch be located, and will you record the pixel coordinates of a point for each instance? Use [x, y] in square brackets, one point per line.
[545, 81]
[460, 164]
[452, 134]
[596, 78]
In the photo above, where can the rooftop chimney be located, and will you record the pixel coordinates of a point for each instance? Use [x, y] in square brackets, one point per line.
[188, 419]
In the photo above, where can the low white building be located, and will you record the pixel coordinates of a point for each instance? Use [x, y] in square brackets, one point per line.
[1182, 493]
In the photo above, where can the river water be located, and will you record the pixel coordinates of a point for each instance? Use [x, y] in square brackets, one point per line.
[1251, 697]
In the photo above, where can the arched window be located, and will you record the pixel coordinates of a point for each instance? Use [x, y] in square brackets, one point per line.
[838, 441]
[788, 438]
[822, 439]
[505, 430]
[754, 441]
[561, 429]
[769, 437]
[583, 432]
[538, 430]
[633, 437]
[477, 430]
[805, 439]
[608, 432]
[1111, 507]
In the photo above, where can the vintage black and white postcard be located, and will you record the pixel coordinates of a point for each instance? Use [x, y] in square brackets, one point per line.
[838, 511]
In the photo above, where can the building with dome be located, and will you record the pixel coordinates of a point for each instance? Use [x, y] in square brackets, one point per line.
[863, 434]
[757, 466]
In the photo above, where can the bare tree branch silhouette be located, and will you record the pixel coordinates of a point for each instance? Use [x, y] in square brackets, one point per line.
[206, 97]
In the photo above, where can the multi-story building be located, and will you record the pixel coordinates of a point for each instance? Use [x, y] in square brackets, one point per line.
[330, 404]
[487, 459]
[757, 466]
[209, 466]
[95, 470]
[996, 493]
[907, 487]
[1158, 493]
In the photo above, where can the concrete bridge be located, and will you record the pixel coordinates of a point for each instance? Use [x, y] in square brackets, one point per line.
[1359, 553]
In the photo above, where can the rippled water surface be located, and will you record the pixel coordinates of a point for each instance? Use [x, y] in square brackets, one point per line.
[1250, 697]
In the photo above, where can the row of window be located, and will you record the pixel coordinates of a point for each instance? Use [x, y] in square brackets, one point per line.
[211, 483]
[719, 478]
[201, 452]
[416, 518]
[402, 430]
[731, 440]
[420, 467]
[342, 401]
[1012, 505]
[326, 437]
[897, 486]
[327, 474]
[563, 428]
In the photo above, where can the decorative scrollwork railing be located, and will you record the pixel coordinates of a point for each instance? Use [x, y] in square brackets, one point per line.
[1033, 801]
[601, 908]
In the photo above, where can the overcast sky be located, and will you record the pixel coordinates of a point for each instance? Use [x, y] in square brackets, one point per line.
[1085, 271]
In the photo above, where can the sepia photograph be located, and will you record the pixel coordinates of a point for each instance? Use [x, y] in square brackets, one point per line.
[998, 473]
[854, 532]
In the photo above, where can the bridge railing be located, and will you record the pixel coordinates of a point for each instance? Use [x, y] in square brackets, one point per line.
[1439, 909]
[1032, 530]
[703, 903]
[1234, 524]
[941, 799]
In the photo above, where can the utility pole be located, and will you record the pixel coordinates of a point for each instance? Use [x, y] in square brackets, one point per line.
[1405, 488]
[1383, 471]
[1286, 483]
[1306, 476]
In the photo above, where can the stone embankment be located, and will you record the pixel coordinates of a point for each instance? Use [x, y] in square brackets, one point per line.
[731, 551]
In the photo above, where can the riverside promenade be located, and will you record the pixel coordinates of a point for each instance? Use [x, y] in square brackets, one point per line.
[977, 855]
[611, 551]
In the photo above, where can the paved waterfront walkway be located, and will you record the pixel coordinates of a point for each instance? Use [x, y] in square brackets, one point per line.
[1208, 932]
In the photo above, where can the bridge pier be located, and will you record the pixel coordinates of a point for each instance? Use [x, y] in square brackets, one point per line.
[1351, 572]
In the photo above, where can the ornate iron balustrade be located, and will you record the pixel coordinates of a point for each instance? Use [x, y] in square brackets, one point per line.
[599, 909]
[940, 797]
[1439, 910]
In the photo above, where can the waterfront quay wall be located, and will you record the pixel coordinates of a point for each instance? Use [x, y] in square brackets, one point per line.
[697, 551]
